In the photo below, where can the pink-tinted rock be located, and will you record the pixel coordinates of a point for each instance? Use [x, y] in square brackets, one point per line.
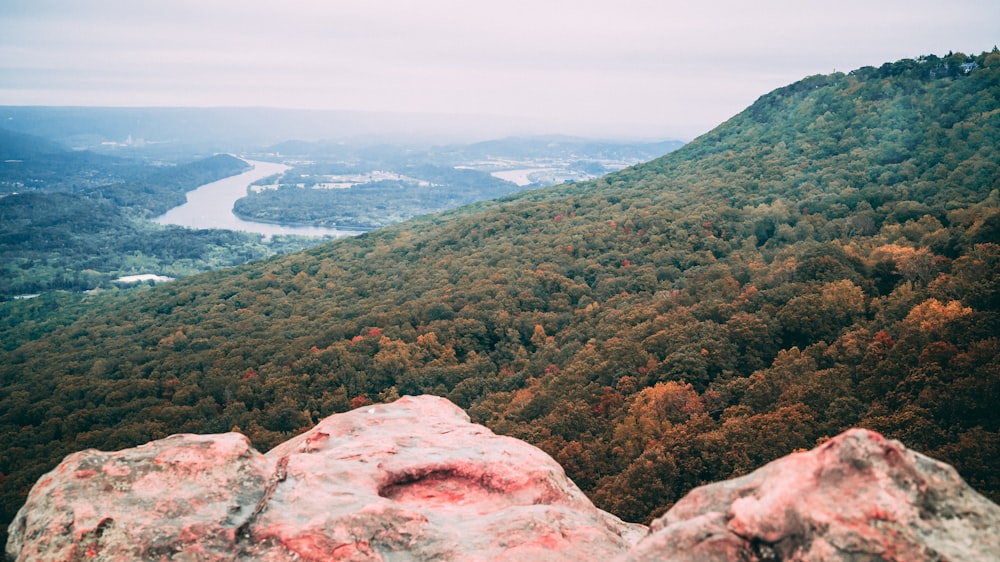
[858, 497]
[412, 480]
[415, 476]
[415, 480]
[183, 497]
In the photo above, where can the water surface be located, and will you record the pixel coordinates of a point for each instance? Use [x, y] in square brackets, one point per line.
[211, 206]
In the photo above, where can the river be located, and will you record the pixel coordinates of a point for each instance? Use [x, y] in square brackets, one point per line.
[211, 206]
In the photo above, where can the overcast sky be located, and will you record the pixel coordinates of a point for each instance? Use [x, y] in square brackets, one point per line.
[651, 68]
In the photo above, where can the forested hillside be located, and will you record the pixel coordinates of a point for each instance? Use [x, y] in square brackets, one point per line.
[30, 164]
[828, 258]
[74, 220]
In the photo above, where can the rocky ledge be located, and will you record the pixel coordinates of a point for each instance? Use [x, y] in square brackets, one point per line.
[415, 480]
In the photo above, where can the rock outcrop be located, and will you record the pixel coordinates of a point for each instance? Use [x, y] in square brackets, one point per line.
[415, 480]
[411, 480]
[857, 497]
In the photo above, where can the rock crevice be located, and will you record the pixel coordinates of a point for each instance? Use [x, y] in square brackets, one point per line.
[244, 531]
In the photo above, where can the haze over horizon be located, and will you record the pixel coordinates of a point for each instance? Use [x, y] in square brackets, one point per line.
[635, 68]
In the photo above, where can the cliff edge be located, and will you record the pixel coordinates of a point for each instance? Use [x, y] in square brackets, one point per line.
[415, 480]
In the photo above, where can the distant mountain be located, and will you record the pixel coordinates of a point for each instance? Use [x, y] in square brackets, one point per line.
[825, 259]
[516, 148]
[34, 163]
[234, 129]
[569, 147]
[18, 146]
[223, 128]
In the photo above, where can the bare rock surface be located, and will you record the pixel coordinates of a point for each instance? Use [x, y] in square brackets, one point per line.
[185, 494]
[858, 497]
[415, 480]
[411, 480]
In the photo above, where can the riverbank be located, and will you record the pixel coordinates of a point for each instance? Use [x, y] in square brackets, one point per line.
[210, 206]
[355, 229]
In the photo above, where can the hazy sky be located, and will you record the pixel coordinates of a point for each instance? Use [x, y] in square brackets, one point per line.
[658, 68]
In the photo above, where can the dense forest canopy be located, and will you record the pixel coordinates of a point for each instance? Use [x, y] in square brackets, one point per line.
[828, 258]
